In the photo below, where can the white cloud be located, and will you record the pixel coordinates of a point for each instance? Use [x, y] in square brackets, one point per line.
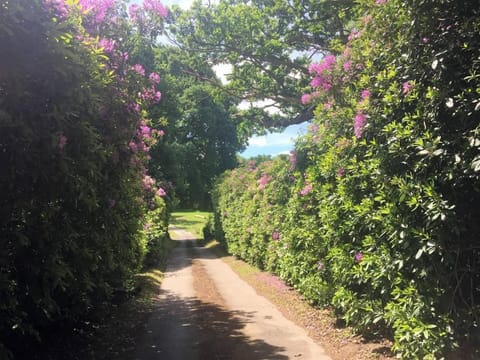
[271, 139]
[244, 105]
[222, 70]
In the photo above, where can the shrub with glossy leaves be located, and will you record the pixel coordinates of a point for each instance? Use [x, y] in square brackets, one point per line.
[72, 145]
[381, 220]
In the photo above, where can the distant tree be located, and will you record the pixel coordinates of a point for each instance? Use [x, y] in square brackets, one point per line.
[202, 132]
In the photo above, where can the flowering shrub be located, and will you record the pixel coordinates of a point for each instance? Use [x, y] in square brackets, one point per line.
[75, 137]
[379, 218]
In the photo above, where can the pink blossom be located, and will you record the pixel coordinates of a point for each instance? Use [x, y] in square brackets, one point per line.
[161, 192]
[380, 2]
[307, 189]
[406, 87]
[275, 235]
[156, 7]
[359, 124]
[340, 172]
[133, 12]
[328, 105]
[99, 8]
[134, 107]
[305, 99]
[133, 146]
[367, 19]
[107, 45]
[320, 266]
[326, 86]
[328, 63]
[358, 257]
[354, 34]
[62, 141]
[145, 131]
[365, 94]
[147, 226]
[263, 181]
[157, 96]
[148, 182]
[426, 40]
[321, 82]
[161, 133]
[154, 78]
[58, 6]
[347, 65]
[151, 94]
[139, 69]
[313, 128]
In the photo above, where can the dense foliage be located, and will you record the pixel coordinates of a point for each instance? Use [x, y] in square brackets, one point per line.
[269, 45]
[202, 134]
[74, 138]
[376, 212]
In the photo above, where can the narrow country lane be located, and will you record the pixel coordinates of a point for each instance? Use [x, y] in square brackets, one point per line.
[205, 311]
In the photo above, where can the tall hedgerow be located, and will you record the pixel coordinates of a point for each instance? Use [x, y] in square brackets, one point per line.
[74, 138]
[381, 221]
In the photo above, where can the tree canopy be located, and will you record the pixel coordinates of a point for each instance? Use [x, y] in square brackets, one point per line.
[269, 45]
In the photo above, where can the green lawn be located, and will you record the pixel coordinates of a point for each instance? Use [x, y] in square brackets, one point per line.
[192, 221]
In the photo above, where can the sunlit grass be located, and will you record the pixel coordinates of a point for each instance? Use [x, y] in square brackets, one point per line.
[192, 221]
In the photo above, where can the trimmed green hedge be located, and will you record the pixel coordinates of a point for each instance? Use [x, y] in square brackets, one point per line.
[376, 214]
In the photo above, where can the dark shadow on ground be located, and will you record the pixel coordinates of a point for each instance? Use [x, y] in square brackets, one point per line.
[191, 329]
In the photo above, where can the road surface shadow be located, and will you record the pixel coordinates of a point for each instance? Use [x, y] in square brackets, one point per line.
[187, 328]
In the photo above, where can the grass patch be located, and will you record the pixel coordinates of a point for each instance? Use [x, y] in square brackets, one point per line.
[192, 221]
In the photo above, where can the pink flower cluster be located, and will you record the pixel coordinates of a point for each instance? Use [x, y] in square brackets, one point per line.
[359, 124]
[263, 181]
[275, 235]
[151, 95]
[99, 8]
[107, 45]
[307, 189]
[161, 192]
[156, 7]
[58, 6]
[354, 34]
[134, 12]
[365, 94]
[406, 87]
[148, 182]
[154, 78]
[139, 69]
[322, 79]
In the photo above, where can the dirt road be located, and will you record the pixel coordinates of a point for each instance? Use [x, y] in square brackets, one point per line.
[205, 311]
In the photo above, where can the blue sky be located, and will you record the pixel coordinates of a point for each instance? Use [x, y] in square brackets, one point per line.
[275, 143]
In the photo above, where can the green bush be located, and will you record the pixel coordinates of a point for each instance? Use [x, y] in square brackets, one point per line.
[155, 231]
[71, 191]
[378, 215]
